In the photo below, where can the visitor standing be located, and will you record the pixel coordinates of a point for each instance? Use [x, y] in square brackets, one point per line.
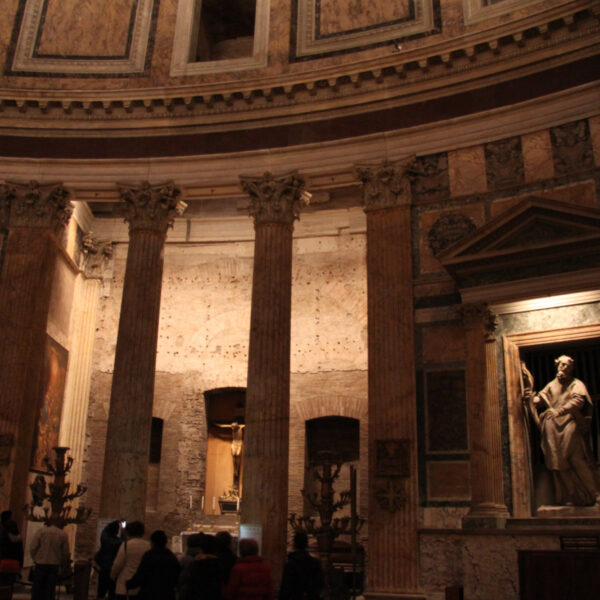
[128, 559]
[110, 540]
[302, 577]
[250, 577]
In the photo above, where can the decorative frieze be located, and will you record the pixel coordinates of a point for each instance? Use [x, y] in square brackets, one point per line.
[37, 205]
[275, 199]
[504, 163]
[430, 179]
[385, 185]
[572, 147]
[447, 230]
[151, 207]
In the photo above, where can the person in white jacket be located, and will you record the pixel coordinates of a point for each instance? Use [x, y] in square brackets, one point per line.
[128, 559]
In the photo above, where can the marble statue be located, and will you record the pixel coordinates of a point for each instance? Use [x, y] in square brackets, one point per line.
[563, 413]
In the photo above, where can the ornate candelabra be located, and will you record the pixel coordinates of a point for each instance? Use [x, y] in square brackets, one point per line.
[59, 495]
[328, 528]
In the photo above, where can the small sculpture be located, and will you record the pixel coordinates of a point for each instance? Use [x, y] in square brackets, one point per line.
[563, 413]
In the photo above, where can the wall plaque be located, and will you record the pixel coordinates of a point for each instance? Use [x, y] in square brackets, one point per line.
[392, 458]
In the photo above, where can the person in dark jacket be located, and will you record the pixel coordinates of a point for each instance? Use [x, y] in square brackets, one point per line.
[202, 578]
[302, 577]
[250, 577]
[158, 571]
[225, 554]
[110, 541]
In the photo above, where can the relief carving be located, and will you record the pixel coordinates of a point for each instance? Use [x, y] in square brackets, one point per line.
[449, 229]
[275, 199]
[392, 467]
[572, 147]
[430, 178]
[96, 256]
[504, 163]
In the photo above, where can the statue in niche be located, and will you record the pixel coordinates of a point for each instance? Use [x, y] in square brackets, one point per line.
[237, 446]
[563, 413]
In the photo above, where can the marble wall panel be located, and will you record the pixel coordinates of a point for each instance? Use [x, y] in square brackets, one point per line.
[467, 171]
[440, 228]
[443, 343]
[537, 156]
[445, 412]
[336, 16]
[448, 481]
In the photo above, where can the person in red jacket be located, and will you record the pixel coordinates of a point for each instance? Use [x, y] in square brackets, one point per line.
[250, 577]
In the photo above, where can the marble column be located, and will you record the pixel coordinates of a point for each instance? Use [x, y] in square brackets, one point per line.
[96, 259]
[393, 477]
[483, 417]
[151, 211]
[38, 215]
[275, 202]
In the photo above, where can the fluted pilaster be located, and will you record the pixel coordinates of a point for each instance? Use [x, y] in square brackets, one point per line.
[150, 211]
[393, 483]
[274, 204]
[37, 215]
[483, 413]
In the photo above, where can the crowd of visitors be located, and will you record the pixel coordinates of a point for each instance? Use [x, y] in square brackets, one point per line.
[131, 567]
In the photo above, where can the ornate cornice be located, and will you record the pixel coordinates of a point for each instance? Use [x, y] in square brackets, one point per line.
[385, 185]
[542, 40]
[37, 205]
[151, 207]
[275, 199]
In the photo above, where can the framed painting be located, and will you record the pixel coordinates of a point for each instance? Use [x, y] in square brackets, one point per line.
[47, 425]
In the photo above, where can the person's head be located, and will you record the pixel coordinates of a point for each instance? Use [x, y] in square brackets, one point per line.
[564, 365]
[248, 547]
[5, 516]
[300, 541]
[223, 539]
[135, 529]
[159, 538]
[208, 544]
[112, 528]
[194, 543]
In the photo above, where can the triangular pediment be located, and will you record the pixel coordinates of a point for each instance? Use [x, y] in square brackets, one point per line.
[536, 237]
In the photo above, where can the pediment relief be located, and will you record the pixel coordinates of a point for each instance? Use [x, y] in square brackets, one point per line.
[537, 237]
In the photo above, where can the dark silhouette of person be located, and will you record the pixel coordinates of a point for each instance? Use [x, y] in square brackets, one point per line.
[110, 540]
[202, 579]
[302, 577]
[11, 549]
[225, 554]
[158, 572]
[250, 578]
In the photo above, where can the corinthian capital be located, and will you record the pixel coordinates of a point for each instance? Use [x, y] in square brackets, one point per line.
[36, 205]
[151, 207]
[275, 199]
[385, 185]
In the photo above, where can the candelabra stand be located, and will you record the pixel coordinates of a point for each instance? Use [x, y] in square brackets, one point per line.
[59, 496]
[329, 527]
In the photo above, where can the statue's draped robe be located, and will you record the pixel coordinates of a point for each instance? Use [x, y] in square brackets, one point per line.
[565, 442]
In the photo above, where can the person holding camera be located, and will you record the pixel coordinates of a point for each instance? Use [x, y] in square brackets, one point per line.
[128, 559]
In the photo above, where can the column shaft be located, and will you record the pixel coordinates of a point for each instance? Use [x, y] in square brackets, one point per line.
[130, 415]
[268, 394]
[26, 285]
[487, 492]
[393, 541]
